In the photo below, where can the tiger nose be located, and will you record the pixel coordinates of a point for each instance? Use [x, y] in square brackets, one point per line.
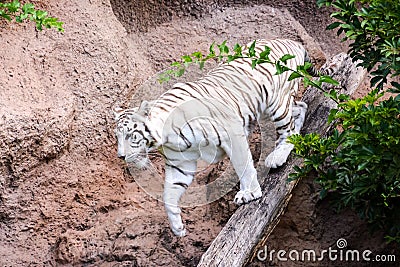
[121, 157]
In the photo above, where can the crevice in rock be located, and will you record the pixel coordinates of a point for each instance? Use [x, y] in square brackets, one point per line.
[139, 16]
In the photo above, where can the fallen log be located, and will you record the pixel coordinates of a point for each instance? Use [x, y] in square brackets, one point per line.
[252, 223]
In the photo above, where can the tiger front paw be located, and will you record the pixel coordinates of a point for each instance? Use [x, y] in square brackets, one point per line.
[245, 196]
[179, 232]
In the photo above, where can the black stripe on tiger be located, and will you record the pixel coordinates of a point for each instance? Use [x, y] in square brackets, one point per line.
[176, 168]
[181, 184]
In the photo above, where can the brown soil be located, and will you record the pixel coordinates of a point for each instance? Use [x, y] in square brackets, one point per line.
[65, 199]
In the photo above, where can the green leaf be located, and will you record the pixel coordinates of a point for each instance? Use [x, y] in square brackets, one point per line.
[223, 48]
[176, 64]
[40, 14]
[328, 79]
[286, 57]
[252, 51]
[163, 78]
[211, 49]
[180, 72]
[294, 75]
[226, 50]
[303, 68]
[343, 97]
[231, 58]
[323, 193]
[376, 80]
[280, 68]
[238, 50]
[333, 25]
[198, 55]
[28, 8]
[23, 16]
[253, 63]
[322, 3]
[5, 15]
[187, 59]
[293, 177]
[18, 19]
[201, 64]
[332, 94]
[332, 115]
[307, 82]
[39, 26]
[13, 6]
[265, 54]
[396, 85]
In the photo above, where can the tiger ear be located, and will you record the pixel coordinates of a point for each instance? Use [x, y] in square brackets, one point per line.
[144, 108]
[117, 112]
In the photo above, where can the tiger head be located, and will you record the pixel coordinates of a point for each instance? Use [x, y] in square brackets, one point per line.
[133, 135]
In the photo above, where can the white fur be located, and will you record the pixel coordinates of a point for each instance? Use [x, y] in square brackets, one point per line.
[214, 124]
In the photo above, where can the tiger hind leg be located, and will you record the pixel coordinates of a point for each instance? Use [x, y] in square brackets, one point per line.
[299, 115]
[280, 154]
[295, 119]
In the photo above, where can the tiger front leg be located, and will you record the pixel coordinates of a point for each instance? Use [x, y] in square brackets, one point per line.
[242, 161]
[177, 180]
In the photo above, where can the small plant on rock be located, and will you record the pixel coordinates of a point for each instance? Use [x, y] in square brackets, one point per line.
[14, 10]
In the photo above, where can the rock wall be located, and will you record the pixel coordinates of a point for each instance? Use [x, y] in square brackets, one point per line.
[142, 16]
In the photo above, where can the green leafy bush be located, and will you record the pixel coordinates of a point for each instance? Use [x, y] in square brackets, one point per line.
[360, 163]
[373, 27]
[27, 11]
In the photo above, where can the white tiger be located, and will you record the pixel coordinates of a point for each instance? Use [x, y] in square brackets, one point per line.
[210, 119]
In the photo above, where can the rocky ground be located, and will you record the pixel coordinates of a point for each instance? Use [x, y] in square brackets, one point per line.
[65, 198]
